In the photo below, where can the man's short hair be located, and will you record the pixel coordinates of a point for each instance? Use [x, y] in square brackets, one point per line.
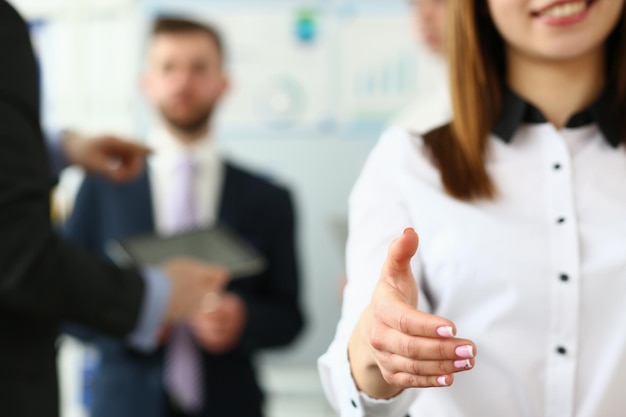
[171, 25]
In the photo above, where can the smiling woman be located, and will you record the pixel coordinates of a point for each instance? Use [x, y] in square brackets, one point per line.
[519, 206]
[499, 44]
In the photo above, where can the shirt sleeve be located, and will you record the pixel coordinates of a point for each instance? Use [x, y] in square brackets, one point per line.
[42, 277]
[377, 215]
[157, 293]
[345, 397]
[58, 161]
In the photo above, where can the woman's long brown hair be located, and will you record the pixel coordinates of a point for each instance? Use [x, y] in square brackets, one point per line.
[476, 60]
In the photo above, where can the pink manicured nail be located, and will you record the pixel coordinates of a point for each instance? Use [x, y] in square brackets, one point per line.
[445, 331]
[466, 351]
[463, 364]
[442, 381]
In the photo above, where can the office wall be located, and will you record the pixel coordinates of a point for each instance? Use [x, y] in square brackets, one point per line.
[314, 84]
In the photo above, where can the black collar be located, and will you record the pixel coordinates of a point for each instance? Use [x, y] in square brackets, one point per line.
[516, 110]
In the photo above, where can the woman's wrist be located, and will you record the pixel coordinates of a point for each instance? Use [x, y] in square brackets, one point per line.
[365, 371]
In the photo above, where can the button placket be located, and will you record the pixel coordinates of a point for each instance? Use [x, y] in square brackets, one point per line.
[562, 342]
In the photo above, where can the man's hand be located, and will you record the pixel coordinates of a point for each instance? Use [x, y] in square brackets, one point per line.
[114, 158]
[191, 281]
[219, 330]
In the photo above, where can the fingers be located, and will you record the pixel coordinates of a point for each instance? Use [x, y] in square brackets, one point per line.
[409, 373]
[423, 348]
[407, 380]
[408, 320]
[139, 149]
[211, 302]
[429, 368]
[419, 362]
[125, 170]
[214, 276]
[218, 277]
[406, 342]
[211, 327]
[125, 148]
[191, 281]
[128, 157]
[116, 159]
[213, 332]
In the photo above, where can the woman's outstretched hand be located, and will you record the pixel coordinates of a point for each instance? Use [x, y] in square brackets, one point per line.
[395, 346]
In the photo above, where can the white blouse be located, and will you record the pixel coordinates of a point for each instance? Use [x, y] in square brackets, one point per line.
[536, 277]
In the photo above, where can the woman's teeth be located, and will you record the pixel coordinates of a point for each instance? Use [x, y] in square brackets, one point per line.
[565, 10]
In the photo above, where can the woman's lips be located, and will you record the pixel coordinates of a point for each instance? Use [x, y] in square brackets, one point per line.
[564, 12]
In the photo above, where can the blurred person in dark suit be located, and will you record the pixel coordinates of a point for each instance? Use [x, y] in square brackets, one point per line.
[205, 368]
[44, 280]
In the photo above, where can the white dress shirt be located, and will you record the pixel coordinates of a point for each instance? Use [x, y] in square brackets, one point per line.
[536, 277]
[168, 151]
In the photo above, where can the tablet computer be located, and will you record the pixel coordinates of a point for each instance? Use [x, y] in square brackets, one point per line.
[217, 245]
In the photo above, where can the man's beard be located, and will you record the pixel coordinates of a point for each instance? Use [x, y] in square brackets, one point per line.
[190, 124]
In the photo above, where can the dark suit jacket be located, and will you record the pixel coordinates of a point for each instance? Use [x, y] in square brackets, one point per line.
[42, 279]
[129, 384]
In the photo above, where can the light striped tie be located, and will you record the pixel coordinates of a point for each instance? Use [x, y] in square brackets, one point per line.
[183, 377]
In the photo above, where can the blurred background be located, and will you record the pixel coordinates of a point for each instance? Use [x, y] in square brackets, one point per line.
[315, 82]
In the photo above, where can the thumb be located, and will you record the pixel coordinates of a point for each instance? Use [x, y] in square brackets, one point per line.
[398, 262]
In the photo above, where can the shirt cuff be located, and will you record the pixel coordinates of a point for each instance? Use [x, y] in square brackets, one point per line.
[344, 395]
[396, 406]
[145, 336]
[54, 143]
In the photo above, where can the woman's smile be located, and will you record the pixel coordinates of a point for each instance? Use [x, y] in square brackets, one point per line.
[561, 13]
